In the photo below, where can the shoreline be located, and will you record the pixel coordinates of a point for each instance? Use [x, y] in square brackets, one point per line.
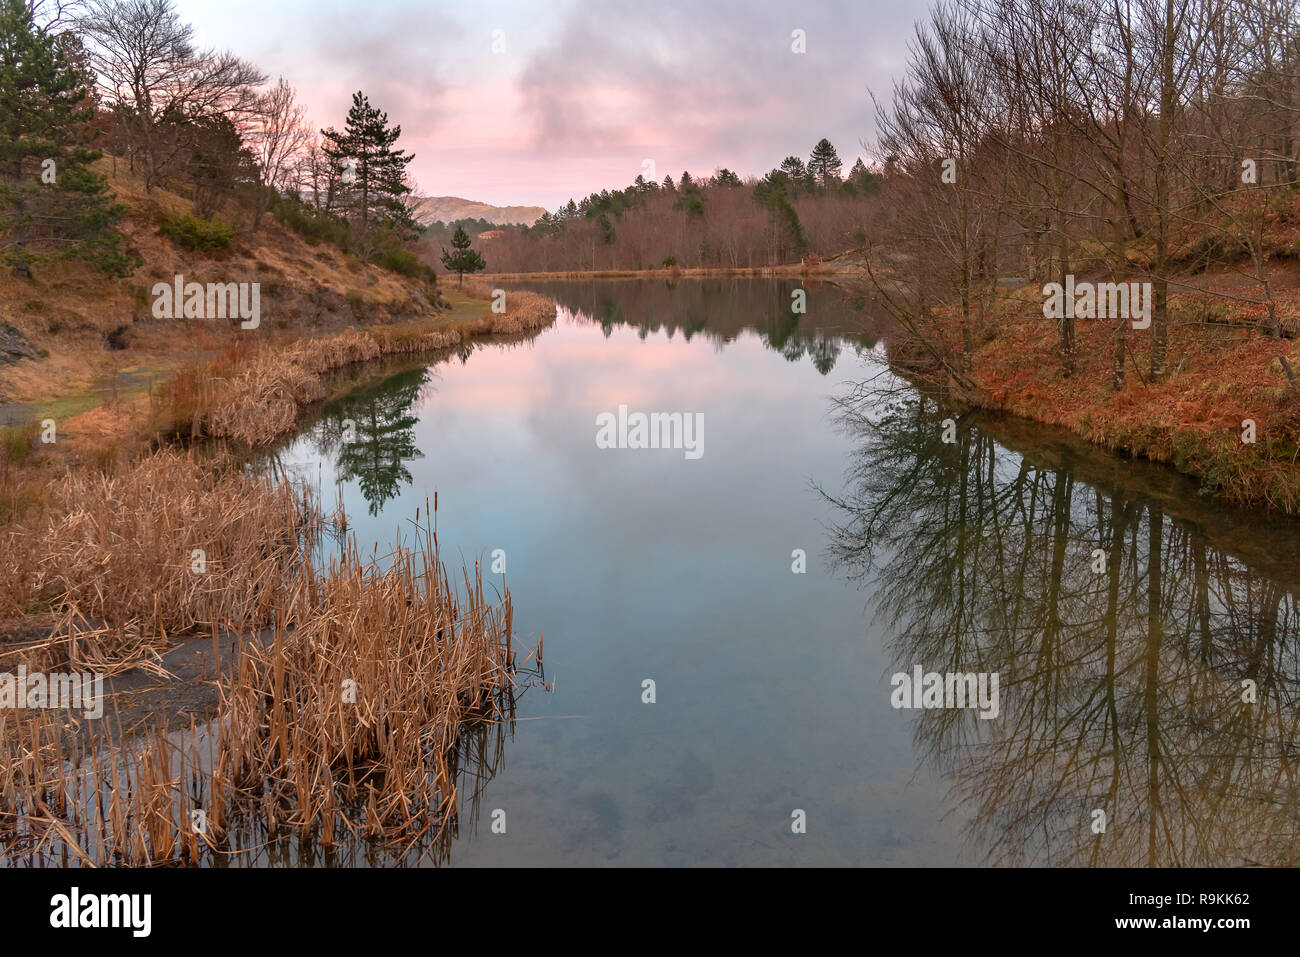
[744, 272]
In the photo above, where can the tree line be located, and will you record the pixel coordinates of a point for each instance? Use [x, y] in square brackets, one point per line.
[800, 208]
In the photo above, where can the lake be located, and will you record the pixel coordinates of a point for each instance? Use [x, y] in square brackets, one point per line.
[834, 532]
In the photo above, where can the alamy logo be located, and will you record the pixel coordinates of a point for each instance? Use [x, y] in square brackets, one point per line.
[76, 691]
[193, 300]
[952, 690]
[102, 910]
[1104, 300]
[654, 430]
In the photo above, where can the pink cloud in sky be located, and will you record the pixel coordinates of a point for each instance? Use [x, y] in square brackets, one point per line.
[583, 92]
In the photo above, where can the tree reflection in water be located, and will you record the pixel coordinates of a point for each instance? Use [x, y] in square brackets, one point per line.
[370, 435]
[1122, 690]
[723, 310]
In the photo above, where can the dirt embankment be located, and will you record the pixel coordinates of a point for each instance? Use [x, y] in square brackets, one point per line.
[1224, 411]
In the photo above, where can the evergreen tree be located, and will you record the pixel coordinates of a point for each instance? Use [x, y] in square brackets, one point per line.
[370, 172]
[726, 177]
[824, 165]
[50, 203]
[863, 179]
[771, 194]
[668, 183]
[796, 172]
[464, 259]
[690, 198]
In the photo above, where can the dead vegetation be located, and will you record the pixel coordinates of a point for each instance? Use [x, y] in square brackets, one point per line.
[125, 562]
[524, 311]
[348, 721]
[255, 397]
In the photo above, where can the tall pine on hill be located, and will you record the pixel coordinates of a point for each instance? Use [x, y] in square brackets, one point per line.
[371, 174]
[50, 203]
[824, 165]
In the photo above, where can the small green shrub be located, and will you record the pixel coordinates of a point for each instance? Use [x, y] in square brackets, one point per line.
[404, 262]
[196, 233]
[16, 442]
[312, 224]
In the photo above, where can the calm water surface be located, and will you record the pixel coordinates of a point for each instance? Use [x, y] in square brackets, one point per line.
[1125, 617]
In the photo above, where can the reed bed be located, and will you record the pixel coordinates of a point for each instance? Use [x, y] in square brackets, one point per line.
[257, 397]
[361, 699]
[263, 399]
[175, 544]
[525, 311]
[18, 555]
[348, 722]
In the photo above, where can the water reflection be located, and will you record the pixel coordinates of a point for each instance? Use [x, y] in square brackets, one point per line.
[1121, 611]
[370, 436]
[1148, 669]
[722, 309]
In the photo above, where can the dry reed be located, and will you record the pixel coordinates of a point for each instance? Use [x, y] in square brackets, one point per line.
[348, 722]
[525, 311]
[263, 399]
[171, 545]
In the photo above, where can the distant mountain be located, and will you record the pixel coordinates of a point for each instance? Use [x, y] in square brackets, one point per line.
[429, 209]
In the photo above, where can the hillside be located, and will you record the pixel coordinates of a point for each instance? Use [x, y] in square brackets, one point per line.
[430, 209]
[89, 352]
[89, 338]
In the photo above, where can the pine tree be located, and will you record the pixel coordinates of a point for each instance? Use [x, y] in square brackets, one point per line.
[50, 203]
[796, 172]
[371, 173]
[464, 259]
[863, 179]
[824, 165]
[771, 194]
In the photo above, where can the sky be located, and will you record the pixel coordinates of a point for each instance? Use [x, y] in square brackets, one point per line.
[531, 103]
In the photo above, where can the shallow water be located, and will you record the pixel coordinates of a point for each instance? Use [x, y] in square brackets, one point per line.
[1120, 677]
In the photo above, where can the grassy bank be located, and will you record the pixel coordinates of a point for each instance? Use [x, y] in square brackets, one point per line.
[1225, 379]
[254, 397]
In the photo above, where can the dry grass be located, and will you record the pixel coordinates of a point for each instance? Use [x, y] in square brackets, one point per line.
[1192, 418]
[294, 749]
[97, 566]
[113, 556]
[525, 311]
[68, 308]
[256, 397]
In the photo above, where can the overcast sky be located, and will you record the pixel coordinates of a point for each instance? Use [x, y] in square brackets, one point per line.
[585, 91]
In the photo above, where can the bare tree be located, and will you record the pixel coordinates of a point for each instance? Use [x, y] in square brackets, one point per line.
[154, 78]
[279, 137]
